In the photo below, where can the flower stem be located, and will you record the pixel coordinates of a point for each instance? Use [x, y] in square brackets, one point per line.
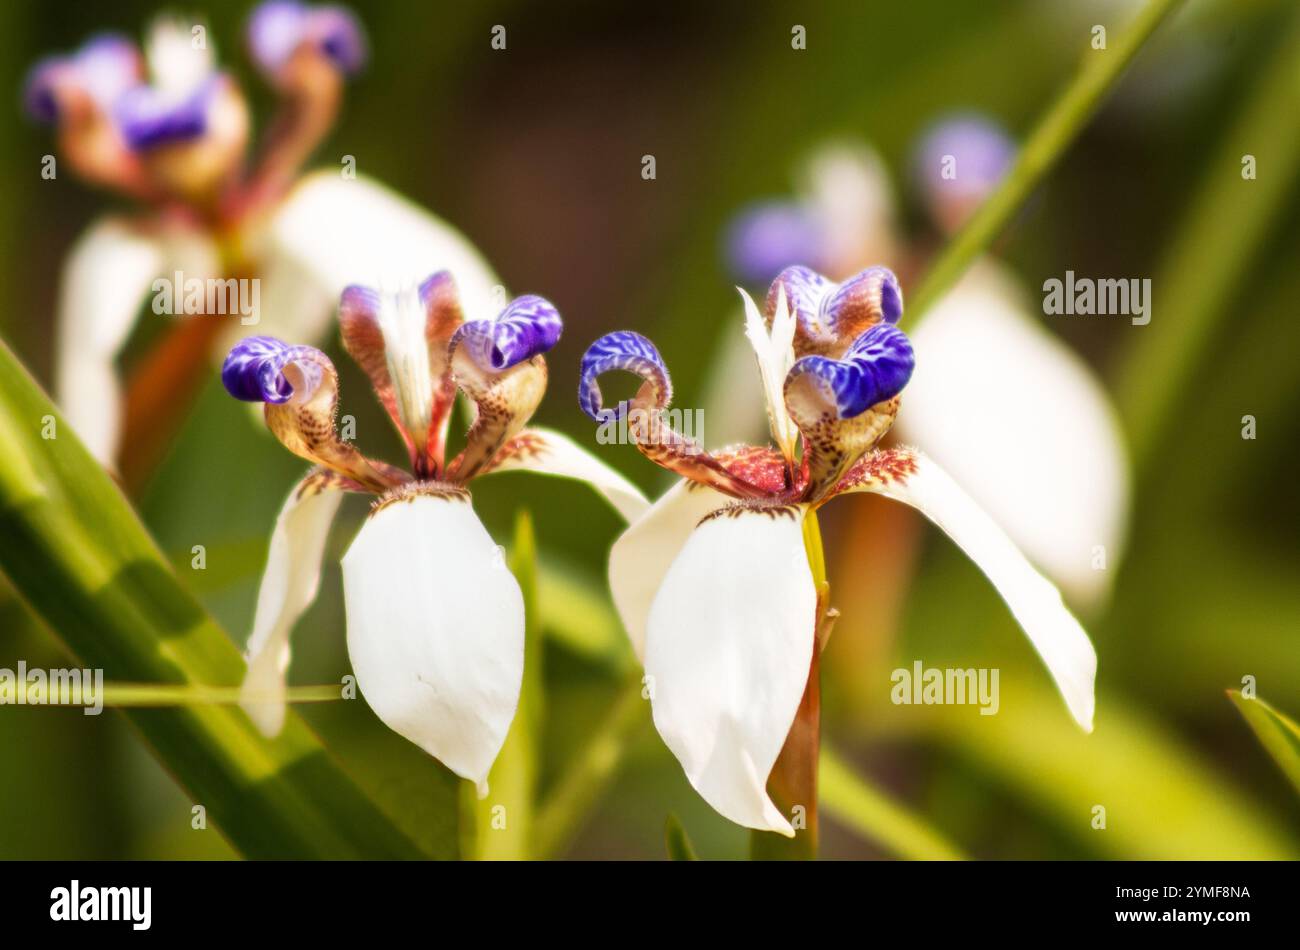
[793, 782]
[563, 811]
[1053, 134]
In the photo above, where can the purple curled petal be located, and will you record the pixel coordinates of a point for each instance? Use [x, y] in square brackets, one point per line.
[364, 301]
[876, 367]
[765, 238]
[254, 370]
[963, 156]
[108, 65]
[528, 326]
[148, 117]
[278, 28]
[341, 38]
[870, 296]
[625, 350]
[806, 292]
[39, 100]
[274, 31]
[105, 67]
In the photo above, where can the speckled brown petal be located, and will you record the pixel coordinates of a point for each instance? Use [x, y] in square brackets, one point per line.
[305, 423]
[504, 401]
[831, 445]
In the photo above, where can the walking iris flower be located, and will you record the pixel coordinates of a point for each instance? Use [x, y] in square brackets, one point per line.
[1061, 488]
[435, 620]
[713, 583]
[170, 131]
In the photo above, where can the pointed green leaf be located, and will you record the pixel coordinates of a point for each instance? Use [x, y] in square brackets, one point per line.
[78, 555]
[1278, 733]
[850, 800]
[675, 837]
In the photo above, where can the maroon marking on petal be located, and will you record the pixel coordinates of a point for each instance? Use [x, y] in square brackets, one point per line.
[874, 471]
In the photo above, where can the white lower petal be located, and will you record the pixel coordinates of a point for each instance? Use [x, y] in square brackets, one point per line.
[1034, 601]
[548, 452]
[436, 629]
[643, 553]
[355, 231]
[109, 274]
[987, 372]
[106, 277]
[728, 647]
[288, 588]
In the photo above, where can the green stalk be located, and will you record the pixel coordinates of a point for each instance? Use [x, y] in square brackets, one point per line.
[81, 560]
[1213, 248]
[504, 819]
[1055, 131]
[140, 695]
[562, 813]
[877, 817]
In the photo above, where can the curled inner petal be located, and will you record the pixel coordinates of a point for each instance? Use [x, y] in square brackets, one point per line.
[629, 351]
[150, 117]
[499, 364]
[528, 327]
[843, 407]
[805, 291]
[299, 386]
[106, 66]
[643, 414]
[829, 316]
[279, 28]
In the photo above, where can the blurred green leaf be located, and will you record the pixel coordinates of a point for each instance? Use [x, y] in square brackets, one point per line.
[504, 819]
[569, 804]
[1279, 735]
[871, 813]
[575, 612]
[1161, 801]
[1213, 248]
[1051, 137]
[75, 551]
[678, 843]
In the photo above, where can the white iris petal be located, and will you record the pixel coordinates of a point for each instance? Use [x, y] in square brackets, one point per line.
[728, 648]
[985, 372]
[1035, 603]
[288, 588]
[436, 629]
[643, 553]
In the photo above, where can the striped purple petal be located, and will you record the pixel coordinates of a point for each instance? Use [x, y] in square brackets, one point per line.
[805, 293]
[765, 238]
[106, 66]
[149, 117]
[876, 367]
[866, 298]
[625, 350]
[254, 370]
[529, 325]
[829, 315]
[278, 28]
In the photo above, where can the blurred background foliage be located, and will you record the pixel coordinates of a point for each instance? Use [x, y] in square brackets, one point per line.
[535, 152]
